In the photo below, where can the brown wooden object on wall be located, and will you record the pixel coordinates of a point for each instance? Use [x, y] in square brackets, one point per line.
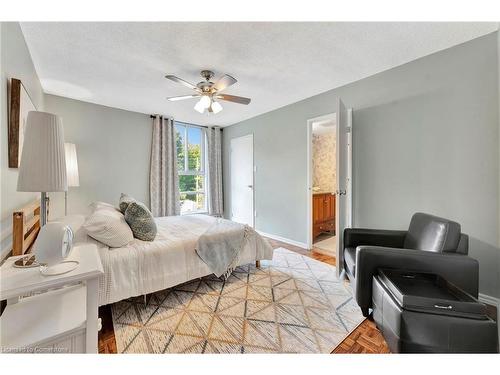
[14, 120]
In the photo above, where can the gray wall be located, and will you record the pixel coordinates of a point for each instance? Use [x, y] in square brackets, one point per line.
[425, 138]
[15, 62]
[113, 149]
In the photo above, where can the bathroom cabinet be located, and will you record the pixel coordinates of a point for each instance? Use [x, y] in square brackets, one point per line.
[323, 213]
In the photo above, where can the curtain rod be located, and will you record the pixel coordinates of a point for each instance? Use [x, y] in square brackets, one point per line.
[188, 123]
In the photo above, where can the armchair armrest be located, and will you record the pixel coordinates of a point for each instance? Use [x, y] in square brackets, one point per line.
[354, 237]
[461, 270]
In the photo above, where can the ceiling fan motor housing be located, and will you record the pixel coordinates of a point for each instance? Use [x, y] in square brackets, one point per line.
[206, 86]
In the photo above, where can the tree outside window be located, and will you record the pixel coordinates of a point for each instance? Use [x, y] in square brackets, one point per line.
[190, 144]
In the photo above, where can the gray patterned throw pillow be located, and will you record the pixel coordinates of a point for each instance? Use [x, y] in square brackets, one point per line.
[125, 200]
[141, 221]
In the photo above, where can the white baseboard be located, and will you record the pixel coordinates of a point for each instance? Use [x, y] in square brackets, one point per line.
[285, 240]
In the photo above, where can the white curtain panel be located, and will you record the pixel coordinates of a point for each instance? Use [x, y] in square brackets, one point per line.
[214, 158]
[163, 177]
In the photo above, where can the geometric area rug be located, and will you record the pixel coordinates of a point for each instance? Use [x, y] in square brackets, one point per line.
[292, 304]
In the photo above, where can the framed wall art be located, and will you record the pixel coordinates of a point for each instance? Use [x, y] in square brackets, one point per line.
[20, 104]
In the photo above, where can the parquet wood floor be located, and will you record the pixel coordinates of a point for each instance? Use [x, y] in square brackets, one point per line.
[365, 339]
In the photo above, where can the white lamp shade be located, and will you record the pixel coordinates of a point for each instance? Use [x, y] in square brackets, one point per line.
[216, 107]
[199, 106]
[43, 161]
[205, 101]
[71, 165]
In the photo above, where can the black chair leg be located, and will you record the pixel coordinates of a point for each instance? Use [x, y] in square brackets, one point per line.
[365, 311]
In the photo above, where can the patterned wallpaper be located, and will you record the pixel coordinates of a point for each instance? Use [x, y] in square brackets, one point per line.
[324, 164]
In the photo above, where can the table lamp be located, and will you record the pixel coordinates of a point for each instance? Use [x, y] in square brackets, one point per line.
[71, 171]
[43, 161]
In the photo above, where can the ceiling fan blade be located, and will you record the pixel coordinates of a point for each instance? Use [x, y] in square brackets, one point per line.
[183, 97]
[225, 81]
[234, 99]
[182, 82]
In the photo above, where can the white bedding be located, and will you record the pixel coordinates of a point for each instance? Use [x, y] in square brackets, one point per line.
[145, 267]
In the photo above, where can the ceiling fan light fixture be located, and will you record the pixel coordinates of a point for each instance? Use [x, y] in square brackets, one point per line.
[209, 92]
[216, 107]
[199, 106]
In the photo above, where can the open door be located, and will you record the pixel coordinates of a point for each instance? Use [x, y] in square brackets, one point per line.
[343, 214]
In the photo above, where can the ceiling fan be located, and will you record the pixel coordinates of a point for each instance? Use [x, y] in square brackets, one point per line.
[209, 92]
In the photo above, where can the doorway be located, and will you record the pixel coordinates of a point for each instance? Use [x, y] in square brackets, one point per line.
[242, 180]
[330, 207]
[323, 166]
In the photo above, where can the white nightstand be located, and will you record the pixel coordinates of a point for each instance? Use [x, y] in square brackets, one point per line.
[63, 319]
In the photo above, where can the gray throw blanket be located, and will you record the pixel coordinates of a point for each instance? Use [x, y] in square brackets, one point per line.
[220, 246]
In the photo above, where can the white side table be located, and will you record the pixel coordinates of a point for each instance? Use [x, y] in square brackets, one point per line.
[63, 319]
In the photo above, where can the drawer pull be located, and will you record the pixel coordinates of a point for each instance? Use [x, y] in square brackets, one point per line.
[449, 307]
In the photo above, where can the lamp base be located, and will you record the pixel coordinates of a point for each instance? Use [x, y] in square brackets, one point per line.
[60, 268]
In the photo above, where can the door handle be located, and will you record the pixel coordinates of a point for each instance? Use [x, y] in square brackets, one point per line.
[250, 186]
[341, 192]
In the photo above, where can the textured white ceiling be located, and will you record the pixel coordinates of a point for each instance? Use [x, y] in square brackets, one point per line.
[123, 64]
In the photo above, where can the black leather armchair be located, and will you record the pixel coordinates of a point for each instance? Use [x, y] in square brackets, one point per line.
[431, 244]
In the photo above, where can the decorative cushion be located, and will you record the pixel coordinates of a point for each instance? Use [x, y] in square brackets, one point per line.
[432, 233]
[125, 200]
[141, 221]
[107, 225]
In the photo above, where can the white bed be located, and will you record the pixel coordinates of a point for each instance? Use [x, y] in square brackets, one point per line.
[145, 267]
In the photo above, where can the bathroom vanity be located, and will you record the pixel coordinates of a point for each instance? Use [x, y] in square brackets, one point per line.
[323, 221]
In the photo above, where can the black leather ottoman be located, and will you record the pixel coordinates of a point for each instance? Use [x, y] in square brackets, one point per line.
[423, 313]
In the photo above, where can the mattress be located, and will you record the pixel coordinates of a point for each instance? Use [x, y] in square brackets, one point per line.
[145, 267]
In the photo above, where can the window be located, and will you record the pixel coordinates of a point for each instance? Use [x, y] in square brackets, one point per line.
[190, 142]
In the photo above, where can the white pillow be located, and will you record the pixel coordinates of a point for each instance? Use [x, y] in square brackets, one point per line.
[108, 225]
[95, 205]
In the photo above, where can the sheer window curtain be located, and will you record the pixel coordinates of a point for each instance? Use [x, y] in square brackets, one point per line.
[163, 176]
[214, 161]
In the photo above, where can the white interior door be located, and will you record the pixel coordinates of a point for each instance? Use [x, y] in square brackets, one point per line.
[349, 170]
[242, 180]
[343, 214]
